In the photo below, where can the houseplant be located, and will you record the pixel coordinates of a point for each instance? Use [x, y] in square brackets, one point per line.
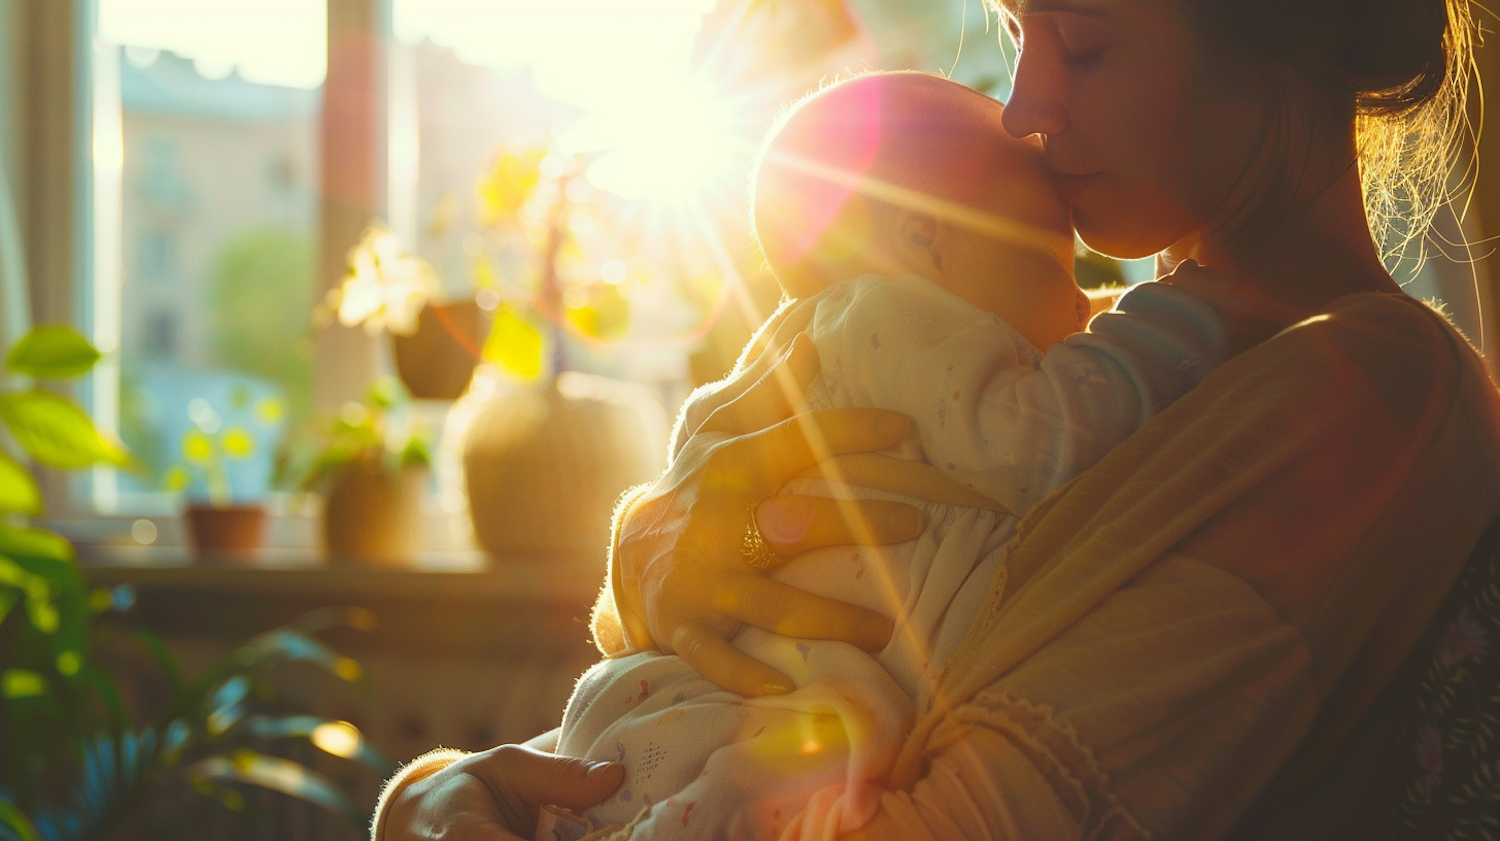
[371, 477]
[435, 343]
[550, 450]
[218, 520]
[77, 759]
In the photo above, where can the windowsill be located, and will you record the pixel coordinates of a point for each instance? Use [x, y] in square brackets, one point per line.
[469, 577]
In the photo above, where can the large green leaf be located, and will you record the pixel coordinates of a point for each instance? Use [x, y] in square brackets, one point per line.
[52, 351]
[257, 769]
[13, 819]
[56, 432]
[18, 491]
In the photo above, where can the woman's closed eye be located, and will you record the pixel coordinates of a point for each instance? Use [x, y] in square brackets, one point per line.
[1077, 41]
[1083, 42]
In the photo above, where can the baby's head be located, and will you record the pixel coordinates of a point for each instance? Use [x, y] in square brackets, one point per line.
[908, 173]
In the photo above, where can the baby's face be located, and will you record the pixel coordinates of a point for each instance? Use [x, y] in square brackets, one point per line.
[1021, 268]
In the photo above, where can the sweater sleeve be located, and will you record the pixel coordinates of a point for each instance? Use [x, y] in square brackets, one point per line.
[992, 413]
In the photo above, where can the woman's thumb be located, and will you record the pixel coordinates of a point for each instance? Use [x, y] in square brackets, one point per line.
[538, 778]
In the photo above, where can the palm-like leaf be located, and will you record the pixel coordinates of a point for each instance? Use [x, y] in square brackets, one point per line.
[277, 774]
[204, 743]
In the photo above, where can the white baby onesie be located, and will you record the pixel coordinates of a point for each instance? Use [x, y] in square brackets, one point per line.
[995, 416]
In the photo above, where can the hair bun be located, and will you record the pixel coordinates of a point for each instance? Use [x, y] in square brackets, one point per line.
[1392, 53]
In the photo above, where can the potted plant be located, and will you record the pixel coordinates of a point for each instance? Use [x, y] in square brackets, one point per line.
[436, 344]
[218, 521]
[550, 450]
[371, 478]
[76, 760]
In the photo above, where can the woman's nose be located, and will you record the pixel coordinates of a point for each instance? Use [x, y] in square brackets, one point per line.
[1037, 94]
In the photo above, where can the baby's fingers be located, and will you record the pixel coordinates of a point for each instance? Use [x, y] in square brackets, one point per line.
[713, 657]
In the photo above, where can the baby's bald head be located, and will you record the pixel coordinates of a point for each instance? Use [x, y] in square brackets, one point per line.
[848, 156]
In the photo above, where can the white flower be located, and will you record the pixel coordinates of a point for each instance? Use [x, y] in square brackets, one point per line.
[384, 289]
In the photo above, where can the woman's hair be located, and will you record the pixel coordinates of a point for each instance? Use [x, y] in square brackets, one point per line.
[1407, 63]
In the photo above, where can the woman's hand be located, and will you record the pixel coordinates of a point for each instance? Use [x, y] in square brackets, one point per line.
[682, 584]
[495, 795]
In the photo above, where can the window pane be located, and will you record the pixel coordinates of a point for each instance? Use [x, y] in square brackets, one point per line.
[216, 104]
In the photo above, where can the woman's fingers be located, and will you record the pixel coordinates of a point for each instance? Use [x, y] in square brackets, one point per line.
[713, 657]
[783, 609]
[793, 524]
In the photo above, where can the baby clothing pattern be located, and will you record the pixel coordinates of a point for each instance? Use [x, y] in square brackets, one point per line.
[995, 416]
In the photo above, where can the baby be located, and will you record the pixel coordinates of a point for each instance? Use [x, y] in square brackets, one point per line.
[939, 261]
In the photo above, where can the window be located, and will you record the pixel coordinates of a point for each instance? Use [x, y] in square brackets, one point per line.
[216, 109]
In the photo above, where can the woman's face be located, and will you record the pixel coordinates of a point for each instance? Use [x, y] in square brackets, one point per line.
[1147, 130]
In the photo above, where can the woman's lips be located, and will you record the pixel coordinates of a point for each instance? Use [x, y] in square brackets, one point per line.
[1072, 186]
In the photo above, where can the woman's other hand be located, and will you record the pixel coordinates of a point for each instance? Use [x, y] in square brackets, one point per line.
[495, 795]
[681, 583]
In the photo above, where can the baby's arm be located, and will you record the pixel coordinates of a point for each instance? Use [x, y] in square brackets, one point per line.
[994, 414]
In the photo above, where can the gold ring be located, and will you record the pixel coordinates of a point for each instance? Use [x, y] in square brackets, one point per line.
[756, 551]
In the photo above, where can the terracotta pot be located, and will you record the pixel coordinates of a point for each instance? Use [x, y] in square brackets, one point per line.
[437, 362]
[545, 464]
[234, 529]
[371, 516]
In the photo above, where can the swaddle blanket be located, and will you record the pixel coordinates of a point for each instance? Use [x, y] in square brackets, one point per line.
[992, 414]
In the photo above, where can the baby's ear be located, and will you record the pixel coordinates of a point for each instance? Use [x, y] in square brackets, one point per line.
[916, 239]
[918, 229]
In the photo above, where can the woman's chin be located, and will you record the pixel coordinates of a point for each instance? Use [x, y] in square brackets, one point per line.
[1120, 241]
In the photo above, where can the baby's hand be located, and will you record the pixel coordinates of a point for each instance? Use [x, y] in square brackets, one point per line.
[1247, 323]
[1216, 290]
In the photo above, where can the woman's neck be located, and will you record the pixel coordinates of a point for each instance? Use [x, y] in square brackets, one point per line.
[1305, 260]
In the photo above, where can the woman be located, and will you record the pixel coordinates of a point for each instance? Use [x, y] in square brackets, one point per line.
[1199, 620]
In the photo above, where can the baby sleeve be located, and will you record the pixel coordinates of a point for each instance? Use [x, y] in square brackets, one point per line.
[991, 412]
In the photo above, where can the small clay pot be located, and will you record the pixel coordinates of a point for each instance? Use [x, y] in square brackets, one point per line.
[437, 361]
[233, 528]
[371, 516]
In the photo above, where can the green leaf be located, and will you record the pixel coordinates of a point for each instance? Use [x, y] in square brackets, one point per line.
[276, 774]
[34, 543]
[52, 351]
[18, 491]
[16, 821]
[56, 432]
[41, 610]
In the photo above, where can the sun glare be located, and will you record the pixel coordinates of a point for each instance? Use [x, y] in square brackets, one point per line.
[667, 142]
